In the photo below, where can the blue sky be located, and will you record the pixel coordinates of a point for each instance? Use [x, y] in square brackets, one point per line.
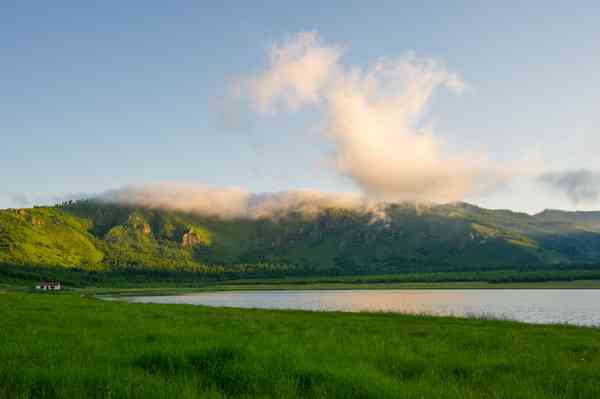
[94, 97]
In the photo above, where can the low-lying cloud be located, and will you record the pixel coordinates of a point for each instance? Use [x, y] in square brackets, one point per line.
[232, 203]
[580, 186]
[375, 118]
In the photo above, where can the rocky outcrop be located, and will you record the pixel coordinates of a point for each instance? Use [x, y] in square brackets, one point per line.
[146, 229]
[190, 239]
[139, 224]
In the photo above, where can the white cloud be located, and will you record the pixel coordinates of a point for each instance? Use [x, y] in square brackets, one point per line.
[299, 69]
[375, 119]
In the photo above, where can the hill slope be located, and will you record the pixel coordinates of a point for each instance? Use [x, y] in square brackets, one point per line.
[47, 236]
[398, 237]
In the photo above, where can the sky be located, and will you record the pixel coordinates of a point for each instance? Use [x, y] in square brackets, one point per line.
[495, 104]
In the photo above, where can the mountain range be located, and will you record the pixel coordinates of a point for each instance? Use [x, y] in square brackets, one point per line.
[89, 234]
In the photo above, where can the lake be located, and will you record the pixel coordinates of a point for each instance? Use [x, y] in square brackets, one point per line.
[580, 307]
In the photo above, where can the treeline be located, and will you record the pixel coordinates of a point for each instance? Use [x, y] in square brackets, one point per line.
[139, 275]
[493, 277]
[278, 274]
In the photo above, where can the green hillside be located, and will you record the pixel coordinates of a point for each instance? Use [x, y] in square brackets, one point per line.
[398, 237]
[48, 236]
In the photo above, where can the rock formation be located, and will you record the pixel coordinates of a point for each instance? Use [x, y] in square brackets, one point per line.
[190, 239]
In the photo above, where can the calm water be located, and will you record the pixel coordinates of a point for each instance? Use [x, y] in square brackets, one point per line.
[581, 307]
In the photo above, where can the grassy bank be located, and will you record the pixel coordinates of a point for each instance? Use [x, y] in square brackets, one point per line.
[68, 346]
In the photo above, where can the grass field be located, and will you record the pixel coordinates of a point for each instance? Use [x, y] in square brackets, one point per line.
[68, 346]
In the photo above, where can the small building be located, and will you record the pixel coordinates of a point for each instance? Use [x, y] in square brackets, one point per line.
[48, 286]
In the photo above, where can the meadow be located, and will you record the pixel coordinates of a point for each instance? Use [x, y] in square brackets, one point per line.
[69, 345]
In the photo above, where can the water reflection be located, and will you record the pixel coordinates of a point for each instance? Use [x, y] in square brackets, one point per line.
[580, 307]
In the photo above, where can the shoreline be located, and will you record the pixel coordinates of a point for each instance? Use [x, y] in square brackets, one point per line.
[467, 285]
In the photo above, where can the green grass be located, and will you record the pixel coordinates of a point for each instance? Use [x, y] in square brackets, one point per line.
[68, 346]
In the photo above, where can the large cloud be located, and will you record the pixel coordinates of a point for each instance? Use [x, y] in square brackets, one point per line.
[375, 119]
[580, 186]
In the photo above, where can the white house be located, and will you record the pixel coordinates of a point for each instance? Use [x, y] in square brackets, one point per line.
[48, 286]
